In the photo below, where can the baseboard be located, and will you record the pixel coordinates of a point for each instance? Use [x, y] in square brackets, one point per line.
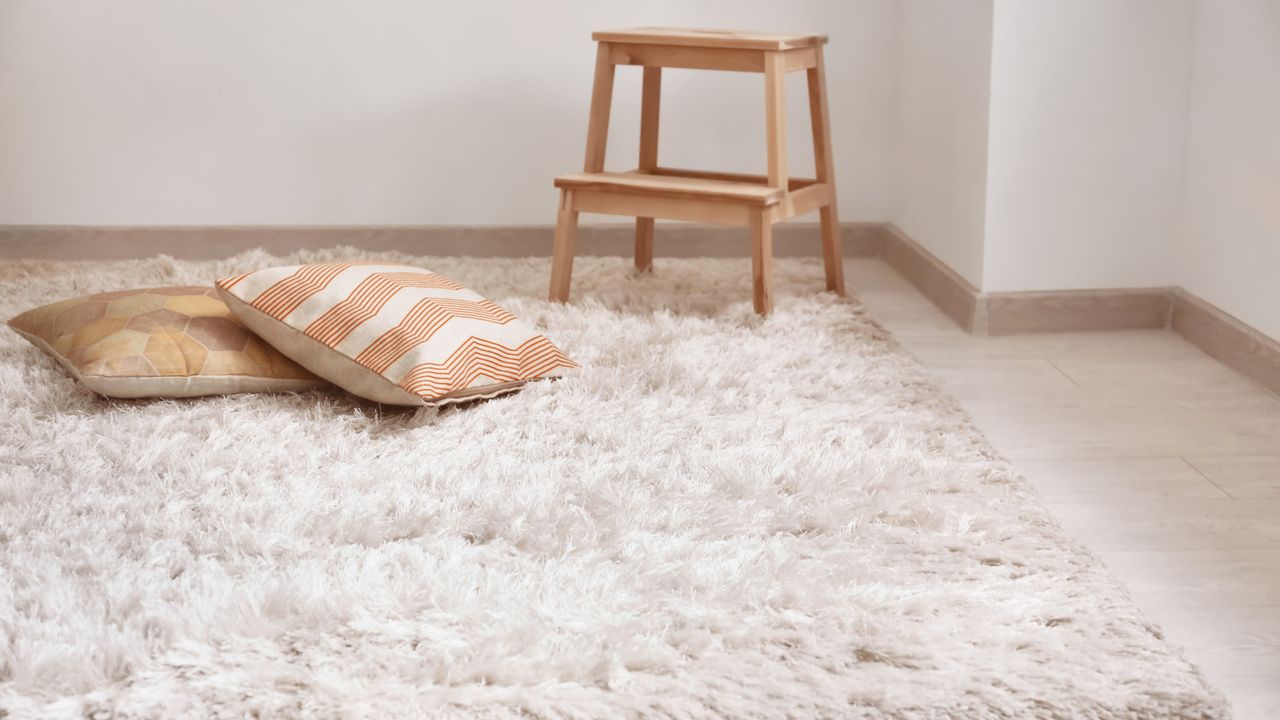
[48, 242]
[954, 295]
[1214, 331]
[1019, 312]
[1072, 310]
[1227, 338]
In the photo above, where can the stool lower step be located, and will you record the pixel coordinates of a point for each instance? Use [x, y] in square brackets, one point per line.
[674, 186]
[692, 195]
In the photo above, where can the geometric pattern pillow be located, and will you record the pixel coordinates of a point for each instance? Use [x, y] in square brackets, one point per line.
[392, 333]
[159, 342]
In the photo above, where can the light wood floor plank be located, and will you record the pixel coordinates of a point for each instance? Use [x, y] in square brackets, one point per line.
[1199, 578]
[1089, 479]
[1242, 476]
[1239, 642]
[1200, 524]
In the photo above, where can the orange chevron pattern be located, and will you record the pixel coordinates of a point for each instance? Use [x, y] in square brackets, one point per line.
[477, 357]
[228, 283]
[285, 296]
[422, 322]
[487, 346]
[366, 300]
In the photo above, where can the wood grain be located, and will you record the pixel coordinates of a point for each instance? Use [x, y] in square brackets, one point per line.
[1065, 310]
[793, 183]
[1174, 524]
[824, 168]
[666, 186]
[803, 201]
[762, 262]
[563, 249]
[1216, 332]
[954, 295]
[1242, 641]
[1200, 578]
[1227, 338]
[650, 115]
[688, 58]
[802, 59]
[601, 103]
[644, 244]
[1241, 476]
[609, 201]
[775, 115]
[695, 37]
[1117, 478]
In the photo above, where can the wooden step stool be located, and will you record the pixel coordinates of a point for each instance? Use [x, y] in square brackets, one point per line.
[652, 191]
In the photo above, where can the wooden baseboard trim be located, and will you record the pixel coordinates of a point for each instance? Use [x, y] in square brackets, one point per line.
[1018, 312]
[48, 242]
[1227, 338]
[1217, 333]
[1067, 310]
[954, 295]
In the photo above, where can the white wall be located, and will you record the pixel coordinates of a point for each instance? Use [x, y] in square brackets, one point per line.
[386, 112]
[940, 141]
[1229, 250]
[1087, 129]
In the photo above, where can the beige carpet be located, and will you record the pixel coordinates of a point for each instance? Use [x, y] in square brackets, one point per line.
[715, 517]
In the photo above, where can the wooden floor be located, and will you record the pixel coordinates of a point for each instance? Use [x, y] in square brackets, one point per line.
[1164, 461]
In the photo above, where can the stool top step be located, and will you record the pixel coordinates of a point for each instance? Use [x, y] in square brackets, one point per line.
[724, 39]
[671, 186]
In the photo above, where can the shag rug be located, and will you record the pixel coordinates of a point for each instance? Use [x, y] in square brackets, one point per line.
[717, 516]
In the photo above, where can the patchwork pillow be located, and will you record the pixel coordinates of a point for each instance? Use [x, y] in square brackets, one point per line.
[159, 342]
[392, 333]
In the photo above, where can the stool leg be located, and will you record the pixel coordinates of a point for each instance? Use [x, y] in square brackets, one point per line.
[831, 255]
[775, 116]
[825, 171]
[562, 254]
[650, 102]
[644, 244]
[762, 261]
[601, 102]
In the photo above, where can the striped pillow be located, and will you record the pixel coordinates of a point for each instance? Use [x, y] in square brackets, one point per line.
[392, 333]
